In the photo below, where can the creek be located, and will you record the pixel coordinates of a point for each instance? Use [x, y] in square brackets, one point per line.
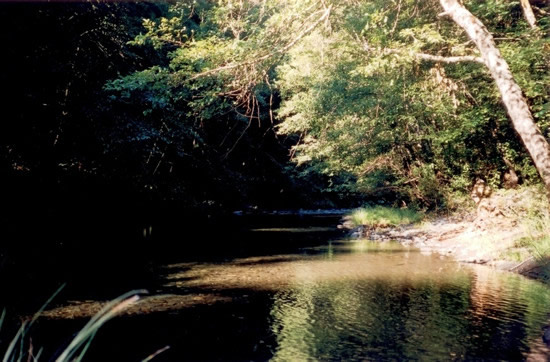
[292, 289]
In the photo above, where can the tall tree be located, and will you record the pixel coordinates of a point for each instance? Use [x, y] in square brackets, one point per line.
[377, 92]
[511, 93]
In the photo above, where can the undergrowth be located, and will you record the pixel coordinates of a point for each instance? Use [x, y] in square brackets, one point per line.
[536, 224]
[529, 208]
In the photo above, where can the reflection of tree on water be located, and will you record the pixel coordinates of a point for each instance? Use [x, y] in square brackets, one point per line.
[405, 313]
[374, 319]
[354, 301]
[292, 313]
[505, 309]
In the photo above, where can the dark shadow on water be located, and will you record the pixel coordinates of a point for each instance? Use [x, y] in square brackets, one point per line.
[269, 260]
[222, 331]
[102, 255]
[378, 319]
[227, 293]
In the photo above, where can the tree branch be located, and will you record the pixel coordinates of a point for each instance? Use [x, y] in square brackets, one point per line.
[425, 56]
[539, 11]
[282, 50]
[396, 18]
[528, 13]
[455, 59]
[510, 92]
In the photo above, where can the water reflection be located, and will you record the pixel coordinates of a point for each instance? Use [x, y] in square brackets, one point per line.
[373, 305]
[347, 301]
[383, 301]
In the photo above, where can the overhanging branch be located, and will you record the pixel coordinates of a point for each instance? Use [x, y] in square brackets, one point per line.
[424, 56]
[442, 59]
[282, 50]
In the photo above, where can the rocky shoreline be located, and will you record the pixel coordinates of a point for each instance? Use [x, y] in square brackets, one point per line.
[468, 238]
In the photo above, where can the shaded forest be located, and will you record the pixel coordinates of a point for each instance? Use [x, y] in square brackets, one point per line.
[72, 139]
[117, 114]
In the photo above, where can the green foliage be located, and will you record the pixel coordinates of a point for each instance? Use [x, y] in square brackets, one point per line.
[363, 112]
[536, 222]
[381, 216]
[364, 105]
[207, 109]
[540, 248]
[201, 88]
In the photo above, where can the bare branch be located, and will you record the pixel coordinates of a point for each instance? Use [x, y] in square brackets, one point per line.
[306, 31]
[448, 60]
[424, 56]
[539, 11]
[396, 17]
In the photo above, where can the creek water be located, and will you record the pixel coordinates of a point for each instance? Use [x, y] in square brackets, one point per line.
[319, 297]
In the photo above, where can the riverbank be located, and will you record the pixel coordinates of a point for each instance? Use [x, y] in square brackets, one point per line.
[504, 232]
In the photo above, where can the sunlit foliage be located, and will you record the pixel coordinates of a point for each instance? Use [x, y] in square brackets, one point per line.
[357, 86]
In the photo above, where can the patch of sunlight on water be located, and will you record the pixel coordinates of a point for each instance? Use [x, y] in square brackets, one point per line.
[295, 230]
[388, 302]
[374, 301]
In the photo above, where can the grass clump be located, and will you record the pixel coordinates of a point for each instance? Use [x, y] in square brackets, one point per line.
[20, 349]
[536, 224]
[382, 216]
[515, 254]
[540, 249]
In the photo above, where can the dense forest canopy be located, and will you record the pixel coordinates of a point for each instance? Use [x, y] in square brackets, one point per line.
[208, 101]
[69, 138]
[385, 98]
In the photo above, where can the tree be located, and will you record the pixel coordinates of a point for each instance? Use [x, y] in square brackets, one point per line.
[511, 93]
[400, 38]
[203, 118]
[378, 96]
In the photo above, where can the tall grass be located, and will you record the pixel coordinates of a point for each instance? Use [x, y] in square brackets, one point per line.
[538, 231]
[528, 208]
[81, 342]
[537, 241]
[533, 214]
[381, 216]
[19, 349]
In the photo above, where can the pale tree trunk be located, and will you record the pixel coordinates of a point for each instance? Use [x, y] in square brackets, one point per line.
[528, 13]
[511, 93]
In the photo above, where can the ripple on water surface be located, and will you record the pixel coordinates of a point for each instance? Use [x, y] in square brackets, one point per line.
[386, 302]
[354, 301]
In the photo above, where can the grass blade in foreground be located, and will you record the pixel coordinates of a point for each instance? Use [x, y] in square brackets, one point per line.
[20, 335]
[86, 334]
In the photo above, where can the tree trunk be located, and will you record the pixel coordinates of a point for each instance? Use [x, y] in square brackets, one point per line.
[511, 93]
[528, 13]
